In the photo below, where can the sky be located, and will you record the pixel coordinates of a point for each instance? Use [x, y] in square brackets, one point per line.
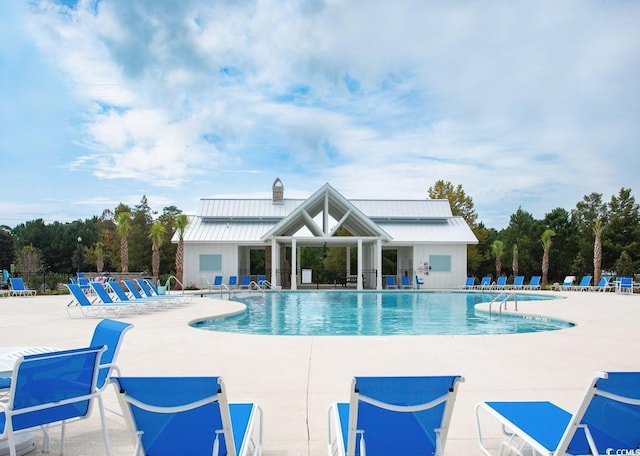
[527, 104]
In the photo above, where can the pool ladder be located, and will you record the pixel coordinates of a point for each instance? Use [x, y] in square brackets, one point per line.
[503, 303]
[224, 287]
[168, 283]
[262, 286]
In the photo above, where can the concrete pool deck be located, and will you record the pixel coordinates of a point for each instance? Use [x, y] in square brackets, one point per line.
[296, 378]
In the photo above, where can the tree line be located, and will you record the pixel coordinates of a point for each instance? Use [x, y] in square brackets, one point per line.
[124, 239]
[595, 237]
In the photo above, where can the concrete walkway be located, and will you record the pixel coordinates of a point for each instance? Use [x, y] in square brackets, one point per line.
[295, 378]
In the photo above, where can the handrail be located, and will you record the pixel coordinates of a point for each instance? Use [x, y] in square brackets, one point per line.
[253, 285]
[504, 301]
[205, 279]
[224, 286]
[266, 284]
[168, 283]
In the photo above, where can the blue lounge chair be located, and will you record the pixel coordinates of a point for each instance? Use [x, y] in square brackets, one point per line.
[135, 294]
[83, 282]
[500, 284]
[90, 309]
[188, 415]
[624, 285]
[584, 284]
[233, 282]
[261, 279]
[132, 289]
[144, 287]
[391, 282]
[108, 333]
[602, 285]
[245, 282]
[122, 296]
[52, 388]
[485, 283]
[217, 282]
[469, 283]
[534, 283]
[160, 290]
[18, 288]
[518, 283]
[104, 298]
[4, 283]
[118, 291]
[394, 416]
[154, 288]
[150, 291]
[606, 422]
[419, 282]
[405, 282]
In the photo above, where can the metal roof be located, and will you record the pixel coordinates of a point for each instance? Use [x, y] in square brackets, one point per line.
[246, 208]
[199, 230]
[420, 209]
[265, 208]
[253, 221]
[454, 231]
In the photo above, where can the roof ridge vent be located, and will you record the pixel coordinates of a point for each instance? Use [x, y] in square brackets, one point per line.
[278, 192]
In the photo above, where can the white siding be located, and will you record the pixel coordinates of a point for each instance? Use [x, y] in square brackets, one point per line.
[201, 279]
[436, 279]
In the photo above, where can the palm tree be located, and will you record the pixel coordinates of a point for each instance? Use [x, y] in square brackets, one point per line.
[597, 250]
[99, 257]
[157, 236]
[546, 245]
[123, 219]
[514, 262]
[497, 249]
[181, 225]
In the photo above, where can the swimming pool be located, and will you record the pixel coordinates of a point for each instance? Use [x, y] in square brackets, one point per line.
[374, 314]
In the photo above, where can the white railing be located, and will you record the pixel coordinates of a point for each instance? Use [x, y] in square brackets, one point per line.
[266, 285]
[168, 283]
[224, 287]
[505, 298]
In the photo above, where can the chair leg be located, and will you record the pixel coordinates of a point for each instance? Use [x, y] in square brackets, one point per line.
[45, 438]
[103, 421]
[12, 443]
[61, 437]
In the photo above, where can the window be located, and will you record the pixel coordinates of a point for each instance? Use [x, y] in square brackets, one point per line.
[210, 262]
[440, 263]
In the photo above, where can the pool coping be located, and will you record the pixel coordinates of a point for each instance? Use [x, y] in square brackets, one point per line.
[295, 379]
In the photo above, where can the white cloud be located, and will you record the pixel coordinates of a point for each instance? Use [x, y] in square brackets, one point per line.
[523, 103]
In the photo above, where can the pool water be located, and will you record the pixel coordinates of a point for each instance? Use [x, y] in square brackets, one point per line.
[375, 313]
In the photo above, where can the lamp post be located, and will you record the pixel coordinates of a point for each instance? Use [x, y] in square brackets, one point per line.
[79, 253]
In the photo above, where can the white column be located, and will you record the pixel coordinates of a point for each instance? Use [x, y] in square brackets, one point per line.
[359, 264]
[275, 260]
[379, 264]
[294, 264]
[348, 260]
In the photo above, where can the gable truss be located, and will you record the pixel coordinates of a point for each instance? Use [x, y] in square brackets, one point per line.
[329, 204]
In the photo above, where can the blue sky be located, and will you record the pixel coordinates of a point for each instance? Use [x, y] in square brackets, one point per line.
[530, 104]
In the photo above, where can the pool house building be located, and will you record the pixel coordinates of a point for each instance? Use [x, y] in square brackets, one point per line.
[382, 240]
